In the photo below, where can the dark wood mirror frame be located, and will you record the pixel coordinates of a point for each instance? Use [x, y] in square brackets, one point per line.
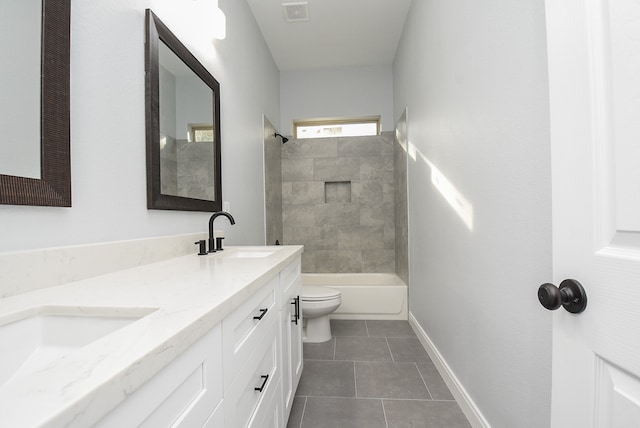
[156, 31]
[54, 186]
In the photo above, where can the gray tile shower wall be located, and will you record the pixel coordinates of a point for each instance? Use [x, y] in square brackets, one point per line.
[338, 199]
[272, 183]
[196, 170]
[169, 166]
[187, 169]
[401, 203]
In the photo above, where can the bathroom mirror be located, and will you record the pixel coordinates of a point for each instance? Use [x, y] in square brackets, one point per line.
[182, 125]
[40, 144]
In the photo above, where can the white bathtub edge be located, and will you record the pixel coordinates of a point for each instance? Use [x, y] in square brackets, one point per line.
[365, 296]
[353, 279]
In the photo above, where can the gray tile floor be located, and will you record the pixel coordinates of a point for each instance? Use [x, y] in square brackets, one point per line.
[372, 374]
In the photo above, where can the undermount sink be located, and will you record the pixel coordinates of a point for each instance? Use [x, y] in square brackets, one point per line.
[250, 254]
[42, 335]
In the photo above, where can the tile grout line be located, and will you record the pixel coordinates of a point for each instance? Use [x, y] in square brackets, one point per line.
[355, 382]
[424, 381]
[304, 407]
[365, 398]
[386, 339]
[378, 398]
[384, 413]
[364, 361]
[335, 345]
[426, 400]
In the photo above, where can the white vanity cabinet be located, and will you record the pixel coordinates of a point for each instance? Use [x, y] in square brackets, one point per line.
[187, 393]
[291, 331]
[245, 329]
[266, 355]
[241, 374]
[272, 415]
[251, 349]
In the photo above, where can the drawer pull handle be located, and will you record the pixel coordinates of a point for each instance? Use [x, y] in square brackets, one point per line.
[296, 315]
[263, 312]
[264, 382]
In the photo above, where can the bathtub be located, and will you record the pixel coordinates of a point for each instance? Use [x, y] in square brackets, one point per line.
[365, 296]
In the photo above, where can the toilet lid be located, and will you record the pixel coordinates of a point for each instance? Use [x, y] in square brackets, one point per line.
[315, 293]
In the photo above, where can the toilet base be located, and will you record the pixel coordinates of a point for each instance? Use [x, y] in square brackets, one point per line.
[317, 330]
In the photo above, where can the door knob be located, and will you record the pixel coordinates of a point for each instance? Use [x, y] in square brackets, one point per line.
[570, 294]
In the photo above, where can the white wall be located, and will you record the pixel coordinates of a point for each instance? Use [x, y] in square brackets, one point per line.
[473, 77]
[107, 129]
[336, 92]
[194, 105]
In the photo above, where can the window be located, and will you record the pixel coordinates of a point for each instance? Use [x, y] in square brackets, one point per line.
[201, 133]
[323, 128]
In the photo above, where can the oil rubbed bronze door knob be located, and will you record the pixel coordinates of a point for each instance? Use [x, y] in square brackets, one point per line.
[570, 294]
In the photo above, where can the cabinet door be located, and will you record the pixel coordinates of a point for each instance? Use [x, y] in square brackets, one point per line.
[296, 346]
[287, 314]
[291, 328]
[183, 394]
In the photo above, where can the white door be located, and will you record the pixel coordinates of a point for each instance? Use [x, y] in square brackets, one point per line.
[594, 78]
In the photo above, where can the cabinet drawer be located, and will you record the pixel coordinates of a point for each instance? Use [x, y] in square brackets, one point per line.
[243, 329]
[256, 382]
[183, 394]
[290, 279]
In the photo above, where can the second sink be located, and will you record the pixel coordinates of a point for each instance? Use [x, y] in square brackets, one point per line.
[38, 336]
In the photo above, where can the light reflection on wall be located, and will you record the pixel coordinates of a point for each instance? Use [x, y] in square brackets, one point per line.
[461, 206]
[201, 20]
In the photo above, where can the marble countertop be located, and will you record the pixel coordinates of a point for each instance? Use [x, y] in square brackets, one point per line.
[185, 297]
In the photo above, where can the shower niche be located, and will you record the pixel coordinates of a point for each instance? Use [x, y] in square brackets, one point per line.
[337, 192]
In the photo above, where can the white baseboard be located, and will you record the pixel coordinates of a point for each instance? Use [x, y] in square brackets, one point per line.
[465, 402]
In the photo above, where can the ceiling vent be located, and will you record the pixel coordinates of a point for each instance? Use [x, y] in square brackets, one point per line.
[296, 12]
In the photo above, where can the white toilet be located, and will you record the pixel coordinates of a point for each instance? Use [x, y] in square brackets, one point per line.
[317, 303]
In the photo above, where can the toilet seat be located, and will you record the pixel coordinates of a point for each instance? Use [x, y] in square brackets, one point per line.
[312, 293]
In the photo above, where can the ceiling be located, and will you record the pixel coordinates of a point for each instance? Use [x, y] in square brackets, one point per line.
[339, 33]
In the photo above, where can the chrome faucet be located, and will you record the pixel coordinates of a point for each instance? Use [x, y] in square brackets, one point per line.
[212, 246]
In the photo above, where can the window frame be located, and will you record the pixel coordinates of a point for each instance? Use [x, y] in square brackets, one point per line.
[334, 121]
[195, 127]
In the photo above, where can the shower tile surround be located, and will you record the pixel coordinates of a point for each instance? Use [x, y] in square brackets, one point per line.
[400, 160]
[194, 181]
[272, 183]
[338, 201]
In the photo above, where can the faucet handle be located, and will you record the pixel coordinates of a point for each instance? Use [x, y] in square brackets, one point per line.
[219, 243]
[202, 247]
